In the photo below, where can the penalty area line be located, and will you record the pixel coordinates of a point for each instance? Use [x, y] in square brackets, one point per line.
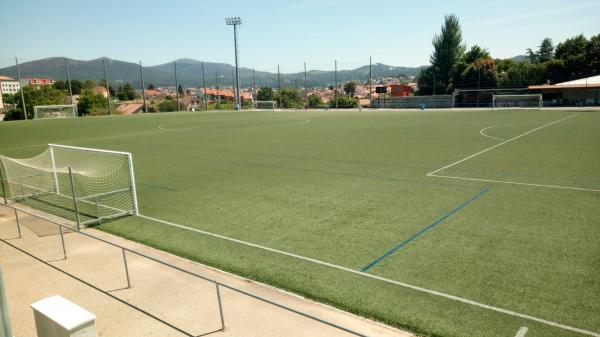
[517, 183]
[379, 278]
[500, 144]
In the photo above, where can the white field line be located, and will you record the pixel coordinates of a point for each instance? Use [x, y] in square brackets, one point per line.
[499, 144]
[491, 127]
[518, 183]
[379, 278]
[522, 331]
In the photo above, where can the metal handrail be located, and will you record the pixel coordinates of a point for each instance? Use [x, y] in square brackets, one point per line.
[205, 278]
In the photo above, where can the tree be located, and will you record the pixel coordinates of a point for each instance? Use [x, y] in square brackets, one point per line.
[265, 94]
[180, 90]
[44, 95]
[546, 50]
[476, 53]
[126, 93]
[448, 50]
[290, 98]
[315, 101]
[544, 53]
[573, 53]
[168, 105]
[88, 85]
[151, 86]
[91, 104]
[350, 88]
[593, 55]
[343, 101]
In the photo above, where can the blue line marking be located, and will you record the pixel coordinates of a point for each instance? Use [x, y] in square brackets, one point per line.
[424, 230]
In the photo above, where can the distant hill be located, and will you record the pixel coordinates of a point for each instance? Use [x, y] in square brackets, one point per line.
[189, 72]
[520, 58]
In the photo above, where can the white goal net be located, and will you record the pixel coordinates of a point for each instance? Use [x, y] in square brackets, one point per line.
[533, 101]
[264, 105]
[54, 111]
[80, 184]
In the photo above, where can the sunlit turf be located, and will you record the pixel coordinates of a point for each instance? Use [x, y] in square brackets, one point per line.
[347, 187]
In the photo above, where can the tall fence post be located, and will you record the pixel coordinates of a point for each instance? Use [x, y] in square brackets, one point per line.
[126, 268]
[75, 205]
[220, 307]
[18, 224]
[5, 328]
[2, 183]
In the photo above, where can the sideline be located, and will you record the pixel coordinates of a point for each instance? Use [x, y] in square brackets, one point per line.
[383, 279]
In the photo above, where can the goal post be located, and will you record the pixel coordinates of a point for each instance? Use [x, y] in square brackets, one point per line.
[525, 101]
[85, 185]
[54, 111]
[264, 105]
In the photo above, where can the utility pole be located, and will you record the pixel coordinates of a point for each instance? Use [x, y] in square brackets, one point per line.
[336, 87]
[434, 81]
[305, 89]
[143, 88]
[21, 89]
[478, 82]
[107, 90]
[279, 86]
[235, 21]
[370, 78]
[176, 86]
[218, 93]
[253, 81]
[204, 86]
[69, 82]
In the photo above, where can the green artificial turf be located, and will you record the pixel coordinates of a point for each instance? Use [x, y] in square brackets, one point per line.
[348, 187]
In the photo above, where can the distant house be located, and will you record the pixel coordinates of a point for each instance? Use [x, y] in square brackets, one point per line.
[8, 85]
[224, 94]
[98, 90]
[581, 92]
[401, 90]
[37, 81]
[130, 108]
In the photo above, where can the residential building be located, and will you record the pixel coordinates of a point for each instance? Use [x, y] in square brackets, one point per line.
[581, 92]
[98, 90]
[8, 85]
[37, 81]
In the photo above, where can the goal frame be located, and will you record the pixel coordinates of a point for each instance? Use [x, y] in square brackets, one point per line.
[273, 103]
[54, 188]
[126, 154]
[538, 96]
[72, 106]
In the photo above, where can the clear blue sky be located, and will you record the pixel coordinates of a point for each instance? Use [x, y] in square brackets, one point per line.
[287, 32]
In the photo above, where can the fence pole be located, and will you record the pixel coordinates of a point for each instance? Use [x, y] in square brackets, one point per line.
[220, 307]
[18, 224]
[107, 88]
[21, 89]
[74, 198]
[2, 183]
[126, 268]
[62, 241]
[5, 328]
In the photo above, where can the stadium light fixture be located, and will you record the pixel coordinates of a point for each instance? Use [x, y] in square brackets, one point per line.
[235, 21]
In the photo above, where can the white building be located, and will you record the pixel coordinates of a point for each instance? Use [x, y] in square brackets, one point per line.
[9, 85]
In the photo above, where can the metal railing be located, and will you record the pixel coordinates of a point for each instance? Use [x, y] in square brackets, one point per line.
[125, 251]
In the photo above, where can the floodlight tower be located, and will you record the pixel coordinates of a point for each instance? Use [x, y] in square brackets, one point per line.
[235, 21]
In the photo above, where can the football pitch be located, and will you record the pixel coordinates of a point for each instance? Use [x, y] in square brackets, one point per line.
[446, 223]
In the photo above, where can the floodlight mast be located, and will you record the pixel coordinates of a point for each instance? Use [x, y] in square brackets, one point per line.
[235, 21]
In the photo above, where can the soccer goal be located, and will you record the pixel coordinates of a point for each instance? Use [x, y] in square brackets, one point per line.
[533, 101]
[54, 111]
[80, 184]
[264, 105]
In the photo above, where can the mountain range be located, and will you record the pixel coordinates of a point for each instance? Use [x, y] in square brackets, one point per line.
[189, 73]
